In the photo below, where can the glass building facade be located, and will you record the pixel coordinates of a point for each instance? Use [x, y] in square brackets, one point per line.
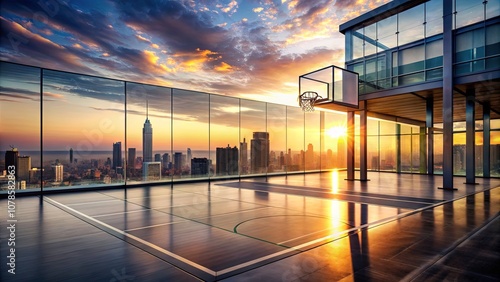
[407, 47]
[436, 64]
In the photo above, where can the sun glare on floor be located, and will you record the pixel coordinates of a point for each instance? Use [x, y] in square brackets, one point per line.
[335, 181]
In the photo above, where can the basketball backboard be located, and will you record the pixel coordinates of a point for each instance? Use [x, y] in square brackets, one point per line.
[334, 85]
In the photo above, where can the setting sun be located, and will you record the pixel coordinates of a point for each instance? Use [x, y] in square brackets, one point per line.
[337, 131]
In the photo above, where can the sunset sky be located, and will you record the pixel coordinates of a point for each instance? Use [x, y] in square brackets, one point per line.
[245, 49]
[252, 49]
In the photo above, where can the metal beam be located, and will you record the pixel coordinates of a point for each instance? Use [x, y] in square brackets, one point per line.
[429, 120]
[470, 137]
[350, 146]
[447, 95]
[486, 140]
[363, 146]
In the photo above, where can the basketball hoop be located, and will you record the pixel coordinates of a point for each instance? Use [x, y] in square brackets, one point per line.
[307, 100]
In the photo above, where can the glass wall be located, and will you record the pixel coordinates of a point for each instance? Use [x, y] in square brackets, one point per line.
[403, 49]
[97, 131]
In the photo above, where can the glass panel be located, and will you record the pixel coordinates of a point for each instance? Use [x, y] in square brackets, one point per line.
[295, 139]
[495, 124]
[97, 140]
[254, 137]
[495, 153]
[20, 94]
[406, 153]
[312, 141]
[493, 40]
[410, 25]
[333, 152]
[470, 45]
[373, 153]
[459, 153]
[434, 17]
[190, 114]
[411, 78]
[411, 59]
[415, 158]
[468, 12]
[388, 153]
[434, 54]
[371, 70]
[370, 39]
[148, 132]
[276, 126]
[492, 8]
[434, 74]
[225, 148]
[478, 153]
[387, 128]
[357, 44]
[386, 33]
[438, 153]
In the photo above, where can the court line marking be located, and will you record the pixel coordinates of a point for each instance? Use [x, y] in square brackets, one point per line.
[156, 225]
[370, 197]
[132, 237]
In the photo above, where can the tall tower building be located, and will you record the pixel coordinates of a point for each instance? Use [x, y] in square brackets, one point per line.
[178, 161]
[131, 159]
[199, 166]
[147, 139]
[11, 157]
[23, 168]
[244, 156]
[189, 156]
[259, 152]
[227, 161]
[117, 155]
[58, 171]
[71, 155]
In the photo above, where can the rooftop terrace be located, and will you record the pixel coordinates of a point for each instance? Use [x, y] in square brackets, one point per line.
[315, 227]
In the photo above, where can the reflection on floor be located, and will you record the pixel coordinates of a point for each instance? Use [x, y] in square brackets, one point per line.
[315, 227]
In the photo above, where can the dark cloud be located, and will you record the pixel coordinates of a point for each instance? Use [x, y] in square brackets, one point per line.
[178, 27]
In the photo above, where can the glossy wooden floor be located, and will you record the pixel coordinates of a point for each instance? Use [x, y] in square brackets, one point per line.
[315, 227]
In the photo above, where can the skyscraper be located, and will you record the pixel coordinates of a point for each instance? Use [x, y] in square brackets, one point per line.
[244, 156]
[199, 166]
[11, 157]
[131, 159]
[189, 156]
[259, 152]
[147, 139]
[117, 155]
[227, 161]
[178, 161]
[23, 168]
[58, 171]
[71, 155]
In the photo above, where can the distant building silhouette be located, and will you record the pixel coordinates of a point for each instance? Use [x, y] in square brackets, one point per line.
[117, 155]
[178, 161]
[157, 157]
[151, 171]
[23, 168]
[165, 160]
[58, 171]
[147, 139]
[259, 152]
[226, 160]
[200, 166]
[131, 160]
[244, 157]
[11, 157]
[189, 156]
[71, 155]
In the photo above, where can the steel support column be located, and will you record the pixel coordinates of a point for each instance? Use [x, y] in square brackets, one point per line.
[470, 137]
[486, 140]
[429, 123]
[363, 146]
[447, 95]
[350, 146]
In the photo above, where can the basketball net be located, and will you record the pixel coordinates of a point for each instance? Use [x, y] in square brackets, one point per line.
[307, 100]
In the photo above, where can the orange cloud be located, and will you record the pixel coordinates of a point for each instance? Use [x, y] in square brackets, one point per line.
[223, 67]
